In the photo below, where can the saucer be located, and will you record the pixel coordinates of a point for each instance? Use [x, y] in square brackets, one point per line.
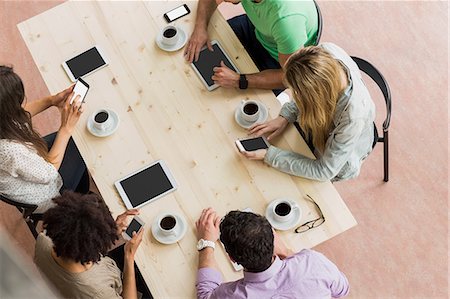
[169, 239]
[180, 43]
[103, 133]
[246, 124]
[297, 215]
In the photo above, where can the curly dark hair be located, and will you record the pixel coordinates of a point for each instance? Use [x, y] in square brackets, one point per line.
[80, 226]
[248, 239]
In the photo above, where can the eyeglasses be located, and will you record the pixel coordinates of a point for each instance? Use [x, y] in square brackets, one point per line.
[312, 223]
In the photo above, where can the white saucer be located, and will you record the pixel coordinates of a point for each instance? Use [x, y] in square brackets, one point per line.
[246, 124]
[99, 133]
[169, 239]
[180, 43]
[297, 215]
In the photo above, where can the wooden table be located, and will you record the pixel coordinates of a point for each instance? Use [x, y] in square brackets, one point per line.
[166, 113]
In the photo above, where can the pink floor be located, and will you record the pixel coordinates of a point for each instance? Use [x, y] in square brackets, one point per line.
[400, 247]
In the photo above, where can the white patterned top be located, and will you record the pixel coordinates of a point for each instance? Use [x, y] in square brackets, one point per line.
[26, 177]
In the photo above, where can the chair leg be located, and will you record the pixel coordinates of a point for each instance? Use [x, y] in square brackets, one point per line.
[386, 155]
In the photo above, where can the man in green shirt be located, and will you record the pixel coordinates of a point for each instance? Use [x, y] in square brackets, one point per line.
[270, 31]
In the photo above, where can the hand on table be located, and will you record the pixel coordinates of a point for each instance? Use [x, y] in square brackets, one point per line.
[196, 42]
[280, 249]
[225, 77]
[273, 127]
[58, 99]
[70, 113]
[255, 155]
[121, 220]
[208, 225]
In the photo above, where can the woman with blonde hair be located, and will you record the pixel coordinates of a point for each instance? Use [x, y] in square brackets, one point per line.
[33, 169]
[334, 110]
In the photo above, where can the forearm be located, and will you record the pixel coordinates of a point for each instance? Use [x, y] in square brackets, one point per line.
[56, 153]
[36, 107]
[205, 9]
[267, 79]
[129, 280]
[207, 259]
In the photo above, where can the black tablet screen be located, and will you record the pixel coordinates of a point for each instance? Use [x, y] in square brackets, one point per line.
[145, 185]
[253, 144]
[85, 63]
[207, 60]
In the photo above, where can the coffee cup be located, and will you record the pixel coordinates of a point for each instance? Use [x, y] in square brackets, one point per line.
[250, 110]
[101, 120]
[283, 210]
[167, 224]
[170, 35]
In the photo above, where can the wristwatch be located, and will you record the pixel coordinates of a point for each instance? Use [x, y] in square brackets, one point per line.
[202, 244]
[243, 83]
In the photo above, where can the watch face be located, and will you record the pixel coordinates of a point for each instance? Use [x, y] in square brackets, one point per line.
[200, 244]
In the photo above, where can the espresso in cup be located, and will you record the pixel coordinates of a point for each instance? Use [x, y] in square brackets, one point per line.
[250, 110]
[282, 210]
[167, 224]
[169, 35]
[101, 120]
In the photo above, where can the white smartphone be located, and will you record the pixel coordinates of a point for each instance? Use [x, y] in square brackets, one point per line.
[80, 89]
[135, 226]
[176, 13]
[252, 144]
[85, 63]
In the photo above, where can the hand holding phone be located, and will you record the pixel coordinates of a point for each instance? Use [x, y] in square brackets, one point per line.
[135, 226]
[252, 144]
[80, 89]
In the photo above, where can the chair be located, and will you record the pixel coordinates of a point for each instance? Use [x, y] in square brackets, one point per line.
[26, 210]
[376, 76]
[320, 24]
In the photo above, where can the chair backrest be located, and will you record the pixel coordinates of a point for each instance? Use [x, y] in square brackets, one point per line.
[320, 24]
[376, 76]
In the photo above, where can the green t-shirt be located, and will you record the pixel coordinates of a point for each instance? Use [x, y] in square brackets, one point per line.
[283, 26]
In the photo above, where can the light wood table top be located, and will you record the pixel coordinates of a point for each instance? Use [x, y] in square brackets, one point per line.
[166, 113]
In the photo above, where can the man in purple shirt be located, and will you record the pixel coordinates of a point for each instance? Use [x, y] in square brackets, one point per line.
[271, 270]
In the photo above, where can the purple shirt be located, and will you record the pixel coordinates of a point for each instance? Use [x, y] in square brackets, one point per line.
[307, 274]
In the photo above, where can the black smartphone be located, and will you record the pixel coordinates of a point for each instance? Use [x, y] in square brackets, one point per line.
[252, 144]
[176, 13]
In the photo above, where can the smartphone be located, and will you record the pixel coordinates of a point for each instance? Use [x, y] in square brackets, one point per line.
[176, 13]
[135, 226]
[252, 144]
[85, 63]
[80, 89]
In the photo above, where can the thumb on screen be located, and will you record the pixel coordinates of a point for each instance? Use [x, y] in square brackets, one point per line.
[221, 63]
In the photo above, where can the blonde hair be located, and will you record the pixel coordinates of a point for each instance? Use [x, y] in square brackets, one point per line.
[314, 77]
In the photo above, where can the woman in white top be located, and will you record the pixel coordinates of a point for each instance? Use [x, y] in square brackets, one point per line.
[28, 167]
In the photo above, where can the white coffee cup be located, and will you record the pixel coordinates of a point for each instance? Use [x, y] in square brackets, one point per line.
[283, 210]
[168, 224]
[250, 110]
[170, 35]
[101, 120]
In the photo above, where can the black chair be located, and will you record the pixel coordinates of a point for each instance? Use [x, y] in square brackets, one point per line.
[320, 24]
[26, 210]
[376, 76]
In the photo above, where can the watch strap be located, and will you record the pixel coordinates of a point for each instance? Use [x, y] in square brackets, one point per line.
[243, 82]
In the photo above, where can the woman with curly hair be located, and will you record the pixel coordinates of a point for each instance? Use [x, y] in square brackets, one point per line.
[80, 231]
[34, 169]
[334, 110]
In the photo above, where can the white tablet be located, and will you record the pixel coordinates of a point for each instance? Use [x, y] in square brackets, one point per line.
[85, 63]
[207, 60]
[146, 185]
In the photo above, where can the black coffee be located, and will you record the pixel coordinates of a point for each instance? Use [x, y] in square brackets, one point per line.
[168, 222]
[283, 209]
[250, 109]
[101, 117]
[170, 33]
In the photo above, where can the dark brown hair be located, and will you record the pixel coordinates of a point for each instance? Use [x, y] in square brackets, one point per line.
[15, 122]
[81, 227]
[248, 239]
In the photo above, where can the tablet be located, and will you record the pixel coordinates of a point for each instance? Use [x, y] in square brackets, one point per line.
[207, 60]
[85, 63]
[146, 185]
